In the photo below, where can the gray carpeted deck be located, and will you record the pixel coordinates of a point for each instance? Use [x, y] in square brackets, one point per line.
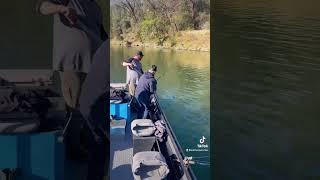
[121, 156]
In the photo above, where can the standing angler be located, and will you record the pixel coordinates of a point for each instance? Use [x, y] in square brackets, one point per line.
[134, 71]
[77, 33]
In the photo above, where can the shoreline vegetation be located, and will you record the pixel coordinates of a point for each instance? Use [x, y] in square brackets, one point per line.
[195, 40]
[169, 24]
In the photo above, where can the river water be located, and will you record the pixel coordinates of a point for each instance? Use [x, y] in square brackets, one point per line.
[183, 90]
[266, 89]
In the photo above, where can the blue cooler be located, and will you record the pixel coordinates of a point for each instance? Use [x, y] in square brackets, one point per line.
[33, 156]
[122, 117]
[120, 111]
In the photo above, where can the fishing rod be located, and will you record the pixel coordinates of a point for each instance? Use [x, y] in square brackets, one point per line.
[161, 76]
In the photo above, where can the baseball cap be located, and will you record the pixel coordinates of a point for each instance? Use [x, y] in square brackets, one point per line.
[140, 53]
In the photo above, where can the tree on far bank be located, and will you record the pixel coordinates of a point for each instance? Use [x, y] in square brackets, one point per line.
[157, 19]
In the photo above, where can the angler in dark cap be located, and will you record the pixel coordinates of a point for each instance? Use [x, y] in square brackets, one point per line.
[134, 71]
[146, 88]
[140, 53]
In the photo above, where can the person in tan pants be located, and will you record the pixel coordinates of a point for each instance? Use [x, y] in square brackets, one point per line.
[134, 71]
[77, 33]
[71, 83]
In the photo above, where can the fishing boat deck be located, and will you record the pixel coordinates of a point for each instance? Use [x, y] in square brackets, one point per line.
[121, 151]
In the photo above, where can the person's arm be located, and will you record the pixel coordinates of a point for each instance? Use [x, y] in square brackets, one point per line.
[126, 64]
[50, 8]
[47, 7]
[153, 87]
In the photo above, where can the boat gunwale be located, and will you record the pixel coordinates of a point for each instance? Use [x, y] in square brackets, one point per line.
[177, 145]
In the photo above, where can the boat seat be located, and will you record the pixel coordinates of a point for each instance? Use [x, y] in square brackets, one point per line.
[142, 127]
[149, 165]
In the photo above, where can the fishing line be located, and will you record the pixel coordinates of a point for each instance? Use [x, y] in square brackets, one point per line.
[161, 76]
[199, 157]
[203, 164]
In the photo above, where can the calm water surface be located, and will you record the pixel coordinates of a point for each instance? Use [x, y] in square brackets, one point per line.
[184, 92]
[266, 89]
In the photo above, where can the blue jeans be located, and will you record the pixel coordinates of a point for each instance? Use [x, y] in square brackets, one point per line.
[144, 110]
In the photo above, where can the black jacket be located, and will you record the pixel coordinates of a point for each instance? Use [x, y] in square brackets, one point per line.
[147, 86]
